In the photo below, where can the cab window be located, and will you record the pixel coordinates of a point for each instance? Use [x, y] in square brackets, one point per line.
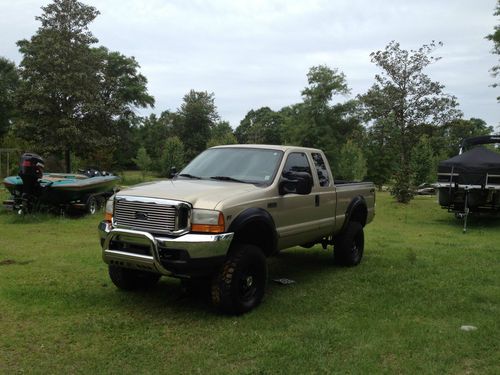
[296, 162]
[321, 170]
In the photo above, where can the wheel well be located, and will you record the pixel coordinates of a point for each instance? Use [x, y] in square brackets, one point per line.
[257, 233]
[359, 214]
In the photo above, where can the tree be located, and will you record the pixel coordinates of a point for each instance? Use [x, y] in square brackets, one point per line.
[173, 156]
[316, 122]
[73, 96]
[154, 130]
[381, 152]
[407, 96]
[423, 162]
[260, 126]
[221, 134]
[197, 116]
[495, 38]
[352, 163]
[9, 81]
[143, 161]
[455, 131]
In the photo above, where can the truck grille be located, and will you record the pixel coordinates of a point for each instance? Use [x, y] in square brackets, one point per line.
[151, 215]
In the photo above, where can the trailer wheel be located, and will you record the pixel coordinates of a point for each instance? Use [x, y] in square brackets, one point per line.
[239, 286]
[349, 246]
[129, 279]
[92, 205]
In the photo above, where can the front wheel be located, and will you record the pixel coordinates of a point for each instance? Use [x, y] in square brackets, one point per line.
[128, 279]
[349, 246]
[239, 286]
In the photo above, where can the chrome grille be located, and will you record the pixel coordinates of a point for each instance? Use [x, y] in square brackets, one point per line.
[151, 215]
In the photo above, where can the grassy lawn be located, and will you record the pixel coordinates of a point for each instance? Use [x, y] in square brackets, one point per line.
[400, 311]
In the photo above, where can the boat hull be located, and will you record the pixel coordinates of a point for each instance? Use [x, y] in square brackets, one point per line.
[59, 189]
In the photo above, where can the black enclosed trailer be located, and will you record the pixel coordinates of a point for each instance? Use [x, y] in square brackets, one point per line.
[470, 181]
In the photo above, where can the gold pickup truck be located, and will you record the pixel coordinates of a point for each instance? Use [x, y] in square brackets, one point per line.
[223, 214]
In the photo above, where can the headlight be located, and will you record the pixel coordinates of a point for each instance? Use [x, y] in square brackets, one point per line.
[208, 221]
[108, 212]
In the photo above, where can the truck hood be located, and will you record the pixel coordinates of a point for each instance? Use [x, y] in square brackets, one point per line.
[200, 193]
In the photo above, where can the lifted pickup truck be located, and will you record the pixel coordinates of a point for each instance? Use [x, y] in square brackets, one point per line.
[228, 210]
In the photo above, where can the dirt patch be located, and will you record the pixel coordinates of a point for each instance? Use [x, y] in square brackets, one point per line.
[9, 262]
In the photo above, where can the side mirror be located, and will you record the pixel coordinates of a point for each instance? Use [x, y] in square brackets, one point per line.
[173, 172]
[296, 183]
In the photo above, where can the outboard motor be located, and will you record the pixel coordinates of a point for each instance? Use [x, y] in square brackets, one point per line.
[31, 170]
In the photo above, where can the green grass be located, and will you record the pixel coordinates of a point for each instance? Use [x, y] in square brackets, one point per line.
[398, 312]
[129, 178]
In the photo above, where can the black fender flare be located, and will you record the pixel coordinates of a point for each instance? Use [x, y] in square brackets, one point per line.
[356, 203]
[251, 216]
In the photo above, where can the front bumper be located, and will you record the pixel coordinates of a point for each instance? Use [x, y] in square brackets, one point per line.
[189, 255]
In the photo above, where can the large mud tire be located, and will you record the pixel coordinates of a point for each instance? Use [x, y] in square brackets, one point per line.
[240, 285]
[349, 246]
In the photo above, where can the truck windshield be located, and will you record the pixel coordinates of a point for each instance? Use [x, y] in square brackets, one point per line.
[248, 165]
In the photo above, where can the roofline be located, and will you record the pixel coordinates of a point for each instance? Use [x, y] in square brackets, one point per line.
[268, 147]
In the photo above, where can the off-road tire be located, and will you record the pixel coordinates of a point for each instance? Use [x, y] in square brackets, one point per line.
[240, 284]
[128, 279]
[349, 246]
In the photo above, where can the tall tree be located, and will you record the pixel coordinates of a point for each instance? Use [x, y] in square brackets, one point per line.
[495, 38]
[71, 94]
[381, 152]
[352, 163]
[423, 162]
[197, 115]
[9, 81]
[221, 134]
[143, 161]
[172, 156]
[407, 96]
[455, 131]
[154, 130]
[260, 126]
[317, 122]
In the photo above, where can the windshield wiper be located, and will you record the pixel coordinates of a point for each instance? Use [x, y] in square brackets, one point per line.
[189, 176]
[227, 178]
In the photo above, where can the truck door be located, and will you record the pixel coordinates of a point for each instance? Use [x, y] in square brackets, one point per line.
[324, 194]
[294, 217]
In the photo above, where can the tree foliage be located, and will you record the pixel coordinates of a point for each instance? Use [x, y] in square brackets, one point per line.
[423, 162]
[262, 126]
[407, 97]
[197, 116]
[172, 156]
[381, 152]
[352, 163]
[9, 81]
[221, 134]
[143, 161]
[495, 38]
[317, 122]
[72, 94]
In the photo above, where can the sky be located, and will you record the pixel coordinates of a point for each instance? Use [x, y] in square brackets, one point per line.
[257, 53]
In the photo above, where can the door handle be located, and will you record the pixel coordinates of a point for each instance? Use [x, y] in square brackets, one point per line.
[316, 200]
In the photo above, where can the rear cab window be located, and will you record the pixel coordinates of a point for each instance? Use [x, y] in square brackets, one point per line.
[321, 169]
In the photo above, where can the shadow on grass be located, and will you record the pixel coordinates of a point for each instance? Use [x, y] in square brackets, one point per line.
[173, 297]
[474, 220]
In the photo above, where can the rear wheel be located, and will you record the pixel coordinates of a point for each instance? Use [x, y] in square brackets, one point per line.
[92, 205]
[349, 246]
[239, 286]
[128, 279]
